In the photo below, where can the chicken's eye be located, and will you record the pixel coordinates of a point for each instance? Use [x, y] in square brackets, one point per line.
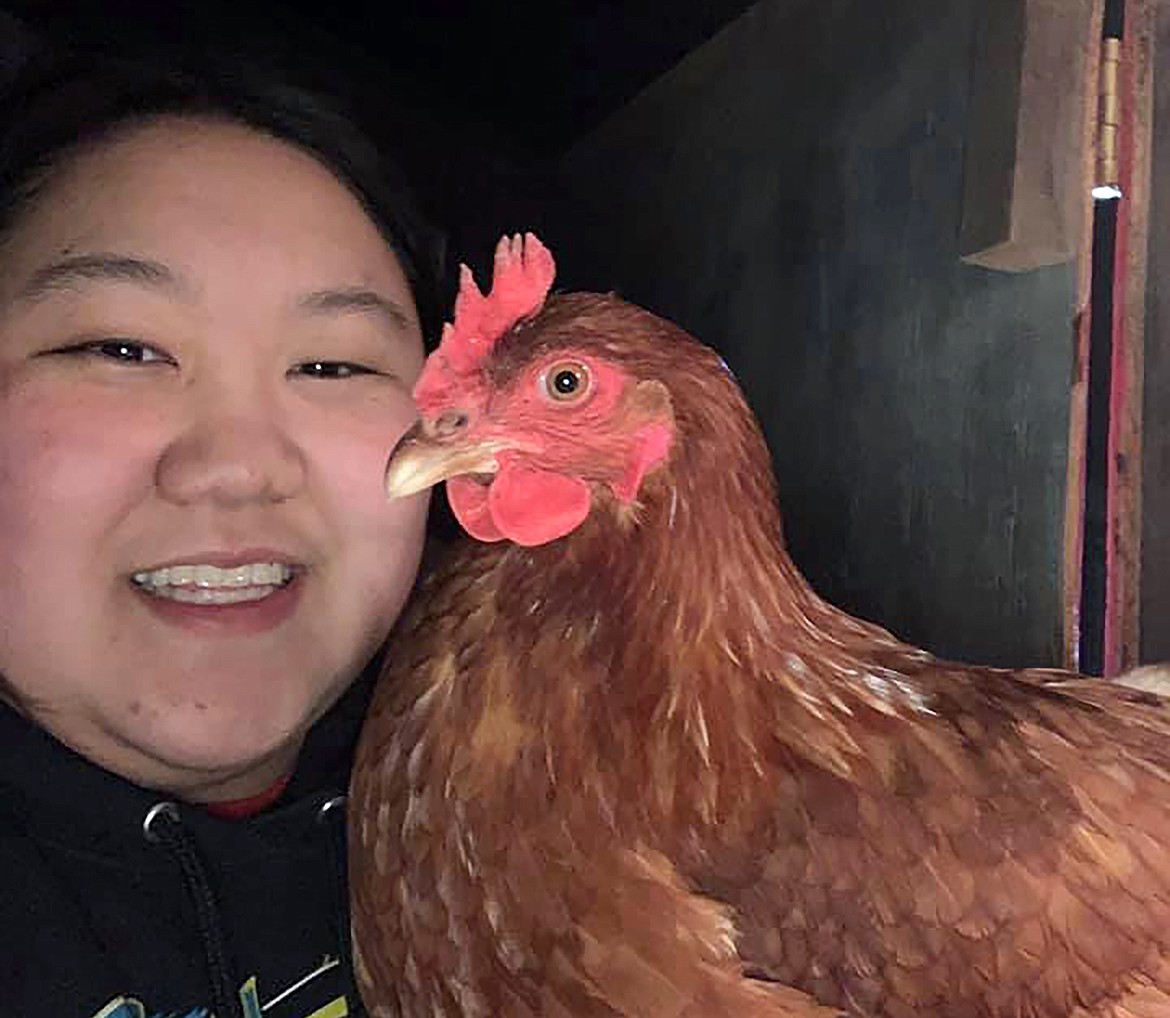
[567, 382]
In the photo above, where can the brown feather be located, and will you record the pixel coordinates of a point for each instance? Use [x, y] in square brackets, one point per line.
[645, 770]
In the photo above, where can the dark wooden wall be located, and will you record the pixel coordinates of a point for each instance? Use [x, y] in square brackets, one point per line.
[791, 193]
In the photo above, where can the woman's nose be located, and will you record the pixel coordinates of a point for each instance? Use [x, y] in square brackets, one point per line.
[234, 451]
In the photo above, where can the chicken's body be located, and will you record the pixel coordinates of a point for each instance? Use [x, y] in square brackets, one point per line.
[644, 770]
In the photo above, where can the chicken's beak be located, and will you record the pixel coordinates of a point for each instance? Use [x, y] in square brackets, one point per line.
[422, 458]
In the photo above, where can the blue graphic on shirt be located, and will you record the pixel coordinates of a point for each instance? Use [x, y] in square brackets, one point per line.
[127, 1007]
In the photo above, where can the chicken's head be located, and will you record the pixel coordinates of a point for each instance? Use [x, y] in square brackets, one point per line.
[532, 409]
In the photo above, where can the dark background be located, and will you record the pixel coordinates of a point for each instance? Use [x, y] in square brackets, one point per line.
[785, 180]
[538, 75]
[477, 99]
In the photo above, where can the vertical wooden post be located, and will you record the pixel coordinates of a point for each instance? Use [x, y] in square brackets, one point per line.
[1111, 363]
[1123, 592]
[1074, 502]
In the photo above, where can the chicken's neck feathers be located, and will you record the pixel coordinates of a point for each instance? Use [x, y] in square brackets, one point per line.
[686, 614]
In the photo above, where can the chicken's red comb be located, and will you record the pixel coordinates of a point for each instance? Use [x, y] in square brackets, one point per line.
[521, 277]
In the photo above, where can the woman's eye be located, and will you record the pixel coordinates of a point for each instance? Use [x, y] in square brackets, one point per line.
[334, 369]
[124, 351]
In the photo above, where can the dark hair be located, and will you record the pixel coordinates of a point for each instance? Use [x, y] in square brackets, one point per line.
[56, 110]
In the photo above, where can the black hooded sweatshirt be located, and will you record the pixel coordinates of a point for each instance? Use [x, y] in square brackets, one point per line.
[105, 913]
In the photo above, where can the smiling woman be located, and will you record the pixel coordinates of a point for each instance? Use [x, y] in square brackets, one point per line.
[212, 310]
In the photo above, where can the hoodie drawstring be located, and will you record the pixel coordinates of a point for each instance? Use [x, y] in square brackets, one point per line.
[331, 815]
[164, 827]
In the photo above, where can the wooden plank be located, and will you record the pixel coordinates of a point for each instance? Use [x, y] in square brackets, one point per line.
[1023, 195]
[1123, 603]
[1154, 576]
[1074, 508]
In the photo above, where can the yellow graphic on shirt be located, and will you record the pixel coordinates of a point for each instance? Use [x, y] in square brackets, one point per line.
[250, 997]
[129, 1007]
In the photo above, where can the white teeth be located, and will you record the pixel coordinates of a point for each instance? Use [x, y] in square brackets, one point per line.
[200, 583]
[197, 596]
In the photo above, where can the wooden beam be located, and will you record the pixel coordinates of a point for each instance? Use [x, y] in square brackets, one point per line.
[1123, 632]
[1024, 194]
[1074, 509]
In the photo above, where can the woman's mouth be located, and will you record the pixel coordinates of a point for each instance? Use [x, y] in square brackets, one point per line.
[201, 583]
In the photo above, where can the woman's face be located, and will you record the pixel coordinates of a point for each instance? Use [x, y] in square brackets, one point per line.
[206, 353]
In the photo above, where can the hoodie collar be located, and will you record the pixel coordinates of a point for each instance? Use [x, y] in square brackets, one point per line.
[57, 794]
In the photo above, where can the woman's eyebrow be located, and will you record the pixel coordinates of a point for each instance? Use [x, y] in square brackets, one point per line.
[357, 300]
[68, 273]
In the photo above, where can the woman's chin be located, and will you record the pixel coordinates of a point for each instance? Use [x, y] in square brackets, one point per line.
[204, 754]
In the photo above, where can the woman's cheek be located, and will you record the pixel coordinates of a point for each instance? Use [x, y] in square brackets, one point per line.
[78, 452]
[49, 449]
[354, 452]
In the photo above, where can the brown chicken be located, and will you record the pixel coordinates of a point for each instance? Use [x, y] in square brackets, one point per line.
[625, 761]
